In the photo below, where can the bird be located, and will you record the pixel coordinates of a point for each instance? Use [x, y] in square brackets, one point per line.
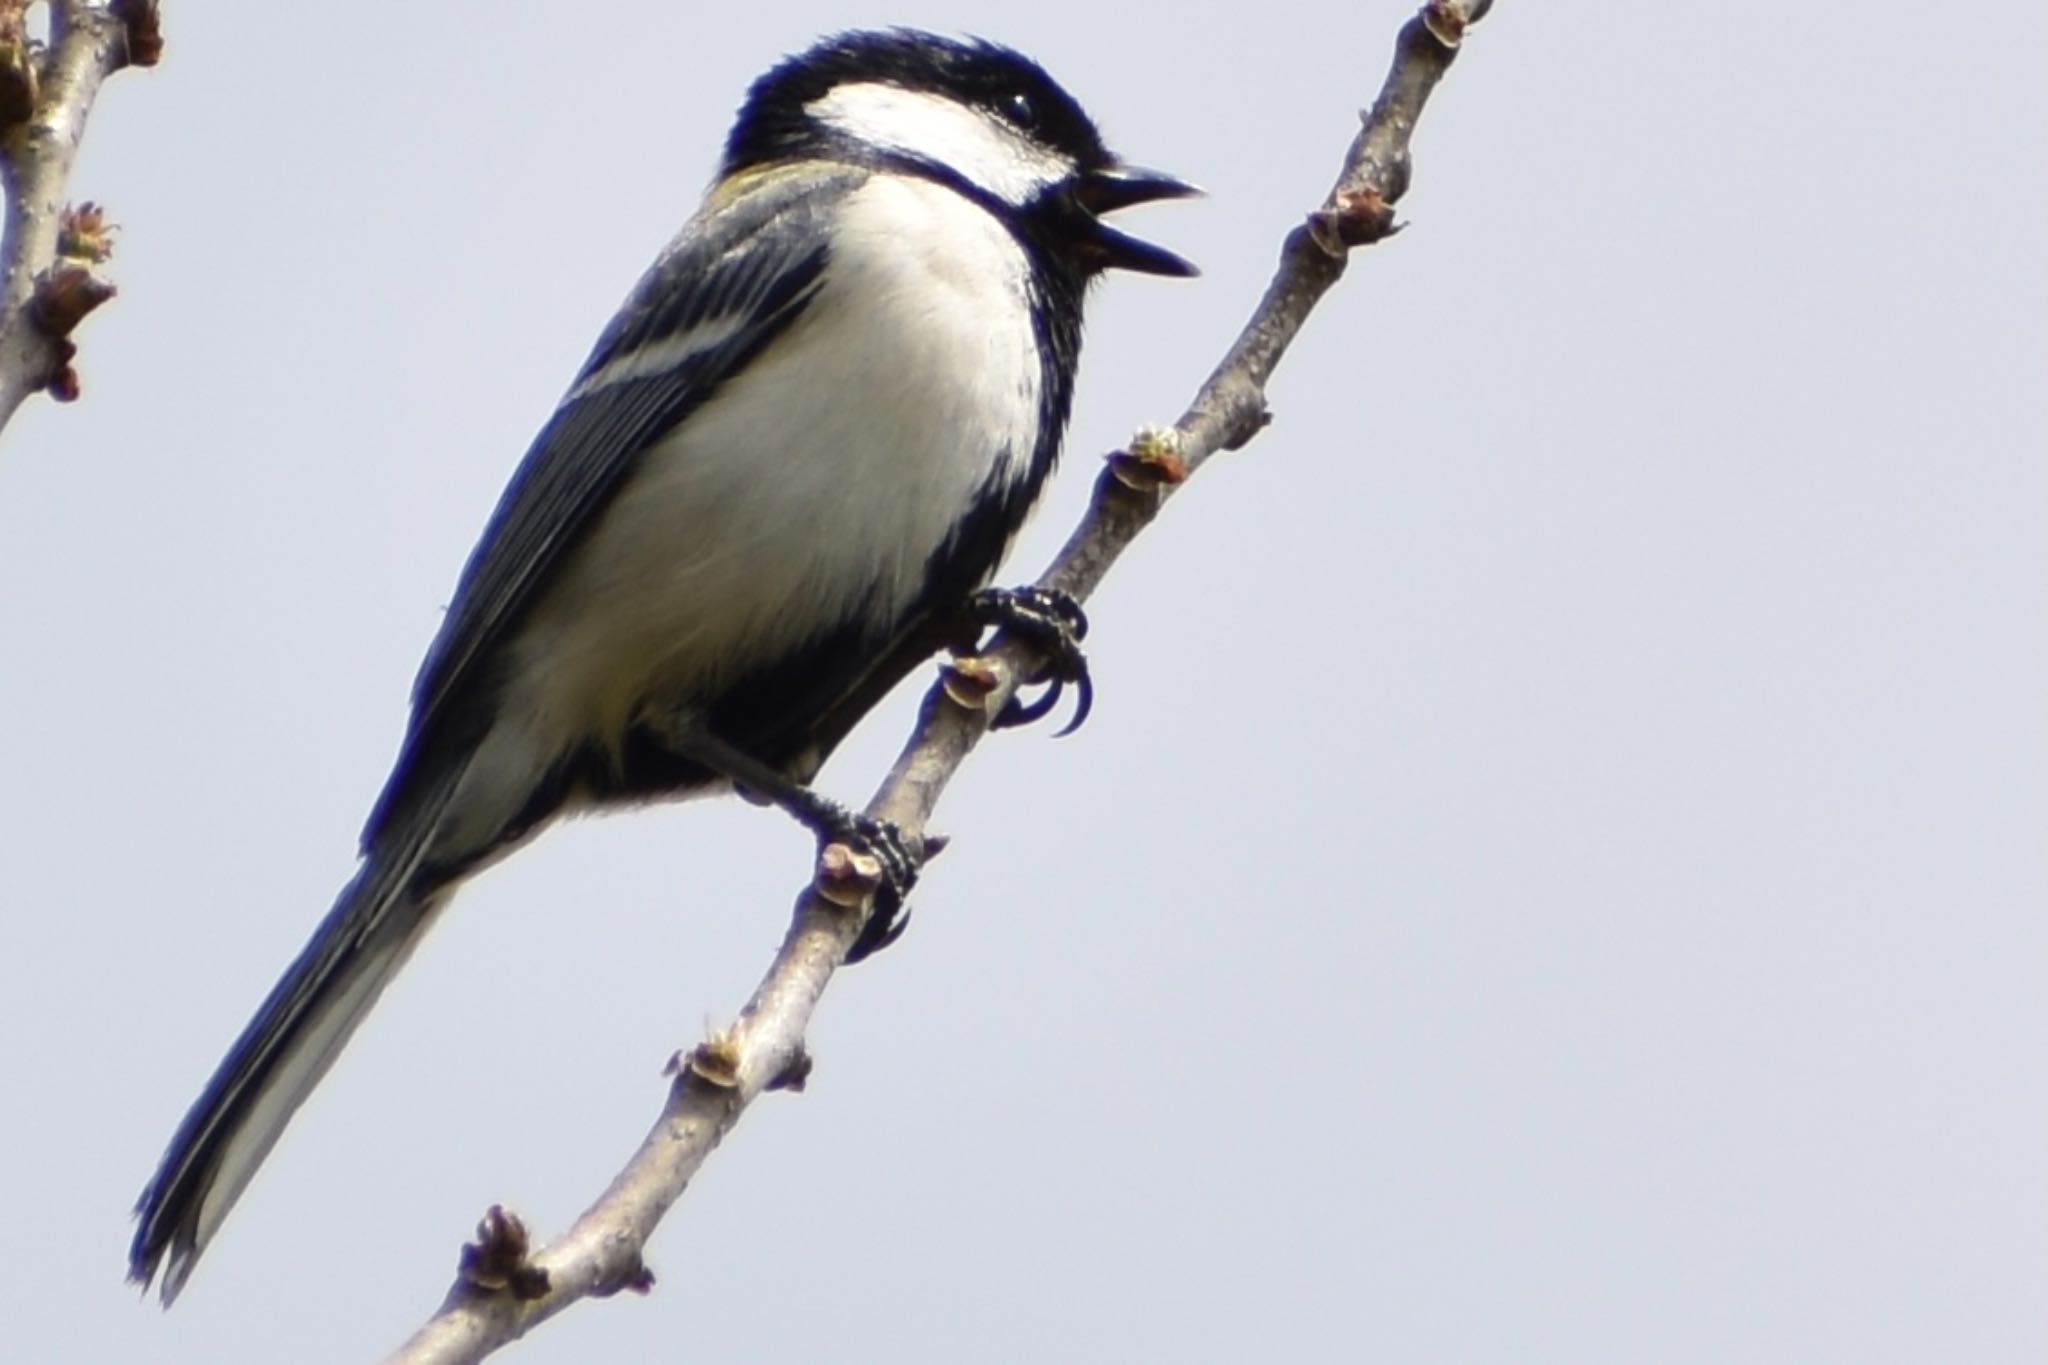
[787, 472]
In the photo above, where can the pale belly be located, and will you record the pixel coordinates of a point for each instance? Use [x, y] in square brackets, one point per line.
[812, 490]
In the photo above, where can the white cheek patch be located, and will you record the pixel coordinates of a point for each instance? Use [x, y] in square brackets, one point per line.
[985, 150]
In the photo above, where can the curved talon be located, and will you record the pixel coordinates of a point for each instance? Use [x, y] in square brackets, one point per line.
[1017, 711]
[1020, 712]
[885, 925]
[1084, 702]
[1053, 621]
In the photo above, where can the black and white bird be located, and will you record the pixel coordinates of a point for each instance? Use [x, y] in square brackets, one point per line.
[801, 447]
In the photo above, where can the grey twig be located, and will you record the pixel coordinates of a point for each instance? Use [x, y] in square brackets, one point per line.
[50, 254]
[601, 1253]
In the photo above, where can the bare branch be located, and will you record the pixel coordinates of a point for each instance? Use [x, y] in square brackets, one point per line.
[601, 1253]
[50, 255]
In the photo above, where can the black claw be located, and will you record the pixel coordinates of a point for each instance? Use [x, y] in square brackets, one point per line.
[1053, 621]
[1017, 711]
[885, 925]
[1084, 702]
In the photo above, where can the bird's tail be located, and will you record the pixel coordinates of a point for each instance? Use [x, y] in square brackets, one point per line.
[301, 1028]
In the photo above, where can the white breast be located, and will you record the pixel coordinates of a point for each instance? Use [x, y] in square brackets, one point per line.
[814, 487]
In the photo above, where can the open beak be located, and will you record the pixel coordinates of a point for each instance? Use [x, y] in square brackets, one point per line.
[1109, 188]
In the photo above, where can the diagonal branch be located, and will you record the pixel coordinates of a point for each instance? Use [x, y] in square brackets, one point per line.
[49, 254]
[503, 1291]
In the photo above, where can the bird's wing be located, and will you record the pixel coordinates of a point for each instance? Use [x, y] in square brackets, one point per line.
[738, 275]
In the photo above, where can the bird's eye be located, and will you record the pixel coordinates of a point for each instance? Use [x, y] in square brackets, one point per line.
[1020, 109]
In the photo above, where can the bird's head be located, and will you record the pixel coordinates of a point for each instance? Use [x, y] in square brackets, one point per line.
[980, 117]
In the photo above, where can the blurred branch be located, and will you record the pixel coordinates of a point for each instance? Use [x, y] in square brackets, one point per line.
[505, 1288]
[50, 254]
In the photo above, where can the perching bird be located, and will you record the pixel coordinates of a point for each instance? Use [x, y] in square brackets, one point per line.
[803, 444]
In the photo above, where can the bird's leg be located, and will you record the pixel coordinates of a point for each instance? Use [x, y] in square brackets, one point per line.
[901, 855]
[1054, 622]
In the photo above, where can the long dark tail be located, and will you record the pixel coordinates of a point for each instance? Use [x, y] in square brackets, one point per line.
[375, 923]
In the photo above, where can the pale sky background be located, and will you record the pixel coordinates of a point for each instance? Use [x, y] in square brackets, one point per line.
[1557, 869]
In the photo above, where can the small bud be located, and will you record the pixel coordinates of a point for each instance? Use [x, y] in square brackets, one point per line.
[636, 1278]
[970, 680]
[1353, 218]
[794, 1073]
[145, 30]
[65, 293]
[1152, 459]
[1447, 21]
[846, 878]
[716, 1062]
[84, 234]
[17, 71]
[496, 1261]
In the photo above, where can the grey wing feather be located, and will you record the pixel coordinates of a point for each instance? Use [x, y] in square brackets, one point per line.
[735, 278]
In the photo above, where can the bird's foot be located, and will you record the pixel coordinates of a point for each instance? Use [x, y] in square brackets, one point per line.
[860, 857]
[884, 864]
[1053, 622]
